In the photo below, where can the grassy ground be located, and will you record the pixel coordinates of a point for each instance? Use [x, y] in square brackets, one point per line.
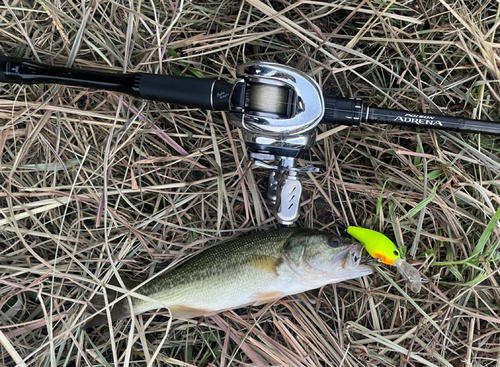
[93, 181]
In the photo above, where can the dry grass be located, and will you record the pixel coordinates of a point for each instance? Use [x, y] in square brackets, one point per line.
[93, 182]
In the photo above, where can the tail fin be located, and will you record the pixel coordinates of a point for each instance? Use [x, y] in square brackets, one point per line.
[120, 310]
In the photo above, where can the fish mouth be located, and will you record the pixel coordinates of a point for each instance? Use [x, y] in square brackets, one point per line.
[351, 259]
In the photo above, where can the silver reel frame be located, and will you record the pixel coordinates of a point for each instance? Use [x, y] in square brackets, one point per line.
[278, 108]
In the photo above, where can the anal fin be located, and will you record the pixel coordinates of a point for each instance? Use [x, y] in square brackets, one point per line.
[266, 297]
[186, 312]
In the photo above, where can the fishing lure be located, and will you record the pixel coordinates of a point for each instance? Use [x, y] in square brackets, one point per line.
[382, 248]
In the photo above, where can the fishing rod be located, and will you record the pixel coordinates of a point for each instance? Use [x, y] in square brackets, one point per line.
[276, 106]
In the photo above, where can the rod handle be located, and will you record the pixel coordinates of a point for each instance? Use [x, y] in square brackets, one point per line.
[21, 71]
[209, 94]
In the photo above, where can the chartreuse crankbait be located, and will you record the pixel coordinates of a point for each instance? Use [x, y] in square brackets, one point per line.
[382, 248]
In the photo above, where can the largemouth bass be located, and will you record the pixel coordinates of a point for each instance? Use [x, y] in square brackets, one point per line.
[250, 270]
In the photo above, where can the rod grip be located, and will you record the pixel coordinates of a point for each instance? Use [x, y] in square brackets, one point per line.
[210, 94]
[20, 71]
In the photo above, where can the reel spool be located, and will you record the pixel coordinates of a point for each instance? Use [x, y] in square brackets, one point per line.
[269, 100]
[277, 109]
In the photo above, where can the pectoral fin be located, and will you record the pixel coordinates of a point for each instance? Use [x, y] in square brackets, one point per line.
[266, 263]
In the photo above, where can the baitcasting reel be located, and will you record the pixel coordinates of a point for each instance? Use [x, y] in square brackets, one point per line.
[277, 108]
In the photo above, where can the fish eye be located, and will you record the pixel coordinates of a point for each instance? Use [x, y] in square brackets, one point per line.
[396, 252]
[334, 242]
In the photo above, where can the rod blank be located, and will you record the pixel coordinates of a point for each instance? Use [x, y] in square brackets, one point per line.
[346, 111]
